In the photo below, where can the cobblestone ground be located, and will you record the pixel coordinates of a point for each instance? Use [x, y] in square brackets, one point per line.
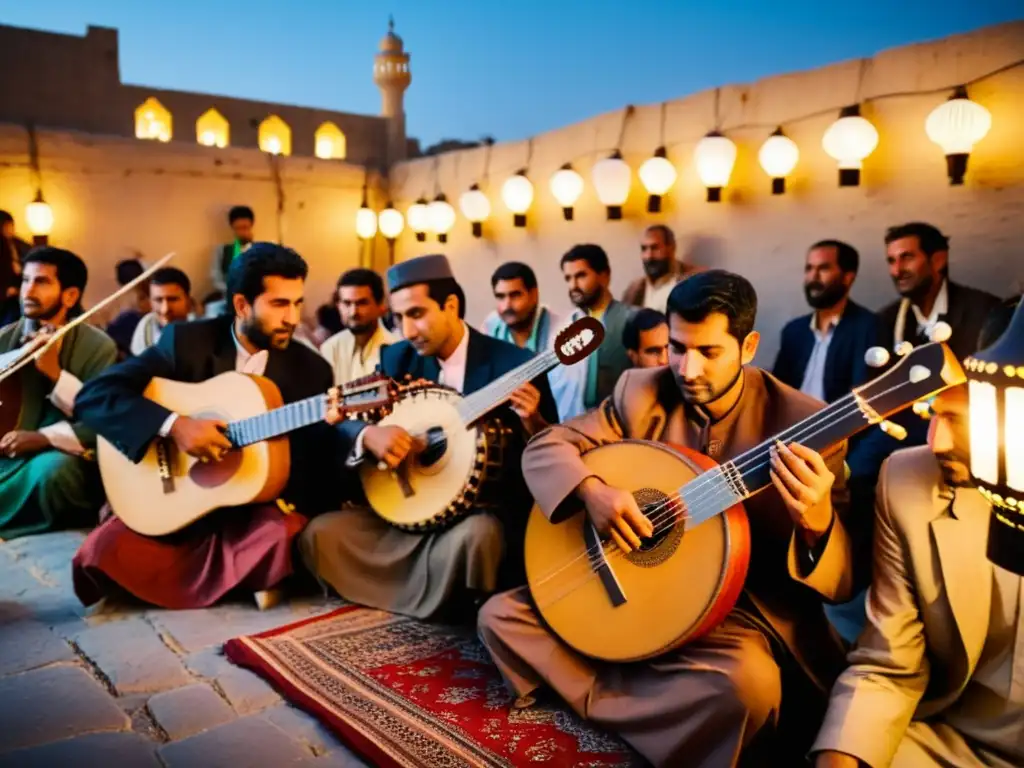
[130, 686]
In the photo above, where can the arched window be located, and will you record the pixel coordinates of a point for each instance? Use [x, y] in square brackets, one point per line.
[152, 121]
[212, 129]
[330, 142]
[275, 136]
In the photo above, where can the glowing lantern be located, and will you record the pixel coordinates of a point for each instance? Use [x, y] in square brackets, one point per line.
[390, 222]
[778, 157]
[418, 218]
[517, 194]
[849, 140]
[566, 186]
[39, 216]
[442, 217]
[956, 126]
[476, 208]
[715, 156]
[657, 175]
[612, 177]
[366, 223]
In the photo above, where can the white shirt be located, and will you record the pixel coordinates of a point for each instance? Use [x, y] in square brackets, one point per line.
[453, 370]
[924, 324]
[656, 296]
[814, 377]
[350, 362]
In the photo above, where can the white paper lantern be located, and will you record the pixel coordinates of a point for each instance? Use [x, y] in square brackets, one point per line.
[442, 217]
[715, 156]
[612, 178]
[390, 222]
[476, 208]
[956, 126]
[849, 140]
[566, 187]
[778, 157]
[657, 175]
[418, 218]
[366, 223]
[517, 194]
[39, 216]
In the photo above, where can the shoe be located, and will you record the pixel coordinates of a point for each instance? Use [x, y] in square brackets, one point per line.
[268, 598]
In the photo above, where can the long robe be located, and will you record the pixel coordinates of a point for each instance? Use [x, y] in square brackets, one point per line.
[50, 489]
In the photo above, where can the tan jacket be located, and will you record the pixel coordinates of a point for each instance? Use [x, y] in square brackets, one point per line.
[928, 610]
[635, 291]
[647, 405]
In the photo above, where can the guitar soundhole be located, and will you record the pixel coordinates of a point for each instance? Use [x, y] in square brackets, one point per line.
[214, 474]
[663, 514]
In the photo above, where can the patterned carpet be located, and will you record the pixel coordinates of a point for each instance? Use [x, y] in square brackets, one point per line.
[406, 693]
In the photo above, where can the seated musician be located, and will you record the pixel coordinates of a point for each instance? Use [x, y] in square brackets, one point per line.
[705, 703]
[48, 474]
[427, 575]
[229, 548]
[935, 678]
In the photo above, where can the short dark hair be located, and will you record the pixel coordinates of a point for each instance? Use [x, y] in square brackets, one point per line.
[666, 233]
[997, 322]
[240, 212]
[440, 290]
[127, 270]
[642, 320]
[930, 239]
[514, 270]
[247, 271]
[716, 290]
[5, 217]
[594, 255]
[328, 316]
[171, 276]
[71, 270]
[846, 255]
[363, 278]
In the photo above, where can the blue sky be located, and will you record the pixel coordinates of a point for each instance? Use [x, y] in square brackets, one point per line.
[492, 67]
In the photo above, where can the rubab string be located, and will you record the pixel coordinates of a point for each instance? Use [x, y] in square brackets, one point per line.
[743, 463]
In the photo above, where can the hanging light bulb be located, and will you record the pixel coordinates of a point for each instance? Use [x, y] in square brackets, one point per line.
[956, 126]
[849, 140]
[612, 178]
[476, 208]
[418, 218]
[778, 157]
[566, 186]
[657, 175]
[39, 216]
[442, 217]
[390, 222]
[517, 193]
[715, 156]
[366, 223]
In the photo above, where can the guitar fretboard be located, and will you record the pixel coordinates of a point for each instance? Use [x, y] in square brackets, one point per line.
[279, 421]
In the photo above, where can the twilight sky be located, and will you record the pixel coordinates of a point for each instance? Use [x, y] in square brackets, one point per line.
[493, 67]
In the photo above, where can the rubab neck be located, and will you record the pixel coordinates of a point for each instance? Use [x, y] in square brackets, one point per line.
[478, 404]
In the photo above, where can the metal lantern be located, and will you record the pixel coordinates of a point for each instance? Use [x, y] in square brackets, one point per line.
[657, 175]
[612, 178]
[715, 156]
[517, 194]
[476, 208]
[442, 217]
[418, 218]
[390, 222]
[995, 390]
[566, 186]
[957, 125]
[778, 157]
[849, 140]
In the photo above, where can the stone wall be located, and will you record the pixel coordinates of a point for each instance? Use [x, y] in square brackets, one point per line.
[750, 231]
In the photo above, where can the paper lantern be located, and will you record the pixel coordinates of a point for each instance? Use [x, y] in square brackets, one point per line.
[612, 178]
[995, 390]
[956, 126]
[390, 222]
[715, 156]
[517, 194]
[657, 175]
[476, 208]
[442, 217]
[418, 218]
[849, 140]
[39, 216]
[778, 157]
[366, 223]
[566, 186]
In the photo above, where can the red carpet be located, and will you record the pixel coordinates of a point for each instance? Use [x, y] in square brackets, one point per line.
[405, 693]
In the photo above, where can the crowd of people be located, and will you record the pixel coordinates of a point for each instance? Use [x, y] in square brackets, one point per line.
[871, 630]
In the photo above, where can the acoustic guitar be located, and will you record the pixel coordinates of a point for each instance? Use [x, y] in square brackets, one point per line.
[686, 578]
[460, 467]
[168, 489]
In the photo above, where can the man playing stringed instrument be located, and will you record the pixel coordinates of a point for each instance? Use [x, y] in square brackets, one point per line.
[426, 574]
[229, 548]
[48, 474]
[720, 695]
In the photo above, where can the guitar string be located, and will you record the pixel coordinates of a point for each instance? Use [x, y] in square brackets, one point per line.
[713, 484]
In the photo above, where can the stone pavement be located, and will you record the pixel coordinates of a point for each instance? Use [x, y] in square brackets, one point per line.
[131, 686]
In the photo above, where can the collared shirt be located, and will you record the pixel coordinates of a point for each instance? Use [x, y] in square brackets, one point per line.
[453, 370]
[148, 331]
[348, 360]
[814, 377]
[924, 324]
[545, 325]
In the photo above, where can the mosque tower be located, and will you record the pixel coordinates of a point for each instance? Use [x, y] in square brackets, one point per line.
[392, 75]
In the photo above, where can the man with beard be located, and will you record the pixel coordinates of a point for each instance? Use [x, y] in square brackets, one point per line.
[822, 354]
[588, 274]
[170, 296]
[354, 352]
[48, 475]
[705, 703]
[661, 270]
[935, 679]
[645, 338]
[231, 548]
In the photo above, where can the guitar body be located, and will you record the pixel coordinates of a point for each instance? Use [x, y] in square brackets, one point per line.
[676, 590]
[168, 490]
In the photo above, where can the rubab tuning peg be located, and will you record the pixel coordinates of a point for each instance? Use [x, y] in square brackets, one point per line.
[903, 349]
[923, 408]
[876, 357]
[894, 431]
[940, 332]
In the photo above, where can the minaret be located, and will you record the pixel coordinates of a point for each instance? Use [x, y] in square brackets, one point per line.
[392, 75]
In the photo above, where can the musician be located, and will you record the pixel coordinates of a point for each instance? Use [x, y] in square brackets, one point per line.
[230, 548]
[354, 351]
[48, 474]
[935, 677]
[703, 704]
[434, 574]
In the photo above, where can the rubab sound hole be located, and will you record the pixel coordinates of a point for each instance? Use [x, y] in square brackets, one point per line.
[668, 531]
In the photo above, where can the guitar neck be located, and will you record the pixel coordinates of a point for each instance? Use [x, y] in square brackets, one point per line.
[277, 422]
[481, 402]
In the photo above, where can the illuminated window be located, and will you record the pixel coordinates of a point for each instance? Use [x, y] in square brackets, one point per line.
[212, 129]
[330, 142]
[152, 121]
[275, 136]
